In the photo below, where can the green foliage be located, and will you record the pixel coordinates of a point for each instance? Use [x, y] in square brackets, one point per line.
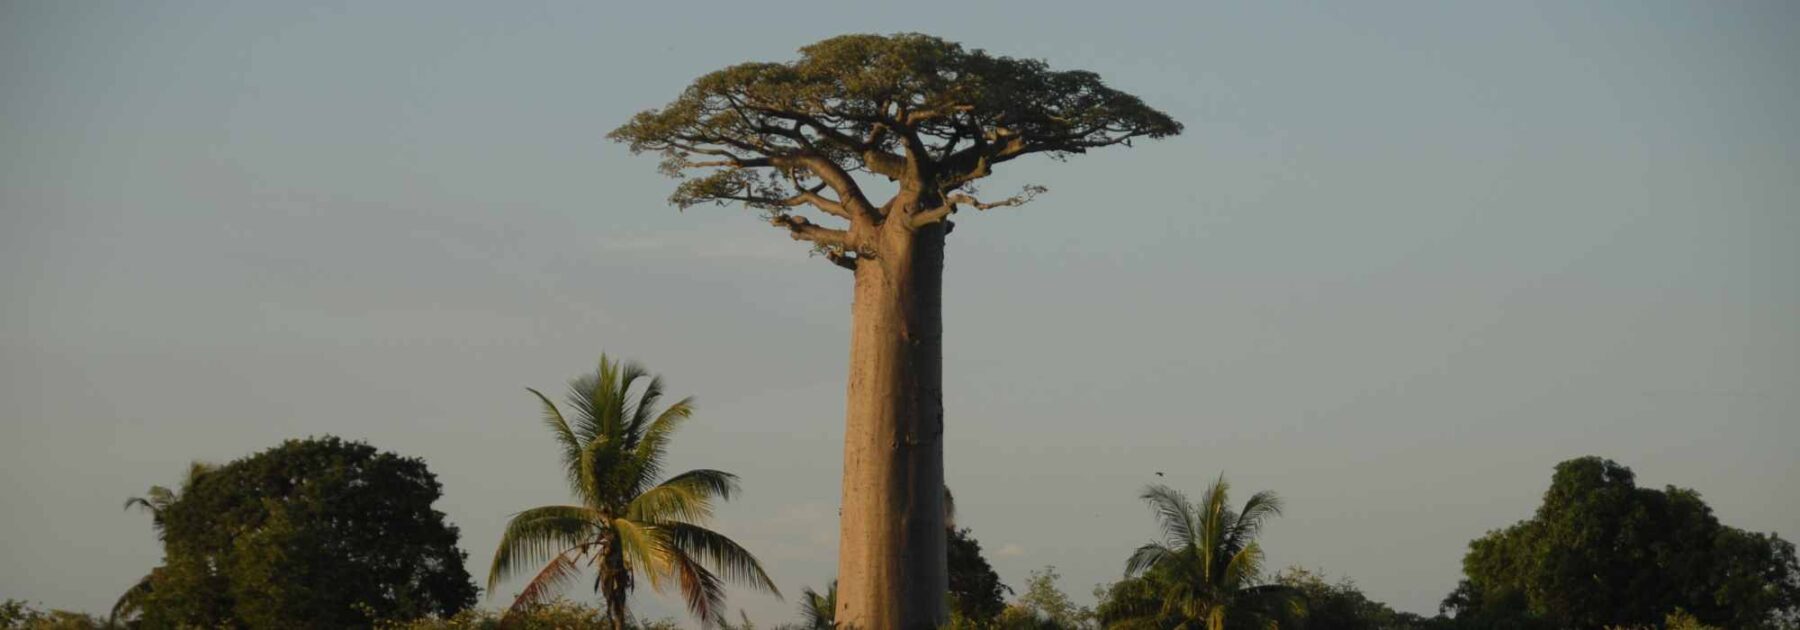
[317, 532]
[1601, 551]
[20, 615]
[627, 523]
[1342, 606]
[1207, 569]
[1044, 606]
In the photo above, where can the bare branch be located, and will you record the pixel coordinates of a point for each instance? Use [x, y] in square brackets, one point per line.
[953, 200]
[806, 196]
[801, 229]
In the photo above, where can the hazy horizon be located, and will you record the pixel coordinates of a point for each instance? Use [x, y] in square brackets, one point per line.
[1404, 259]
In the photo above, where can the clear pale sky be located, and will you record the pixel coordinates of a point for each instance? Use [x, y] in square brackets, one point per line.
[1406, 258]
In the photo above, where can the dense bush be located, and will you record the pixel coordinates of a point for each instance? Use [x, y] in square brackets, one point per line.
[315, 533]
[1601, 551]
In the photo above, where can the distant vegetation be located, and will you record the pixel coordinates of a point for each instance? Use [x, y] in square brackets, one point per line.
[324, 533]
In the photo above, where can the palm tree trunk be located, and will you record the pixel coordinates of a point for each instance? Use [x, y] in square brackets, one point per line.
[613, 580]
[892, 570]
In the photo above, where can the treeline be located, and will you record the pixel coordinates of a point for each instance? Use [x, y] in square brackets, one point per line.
[326, 533]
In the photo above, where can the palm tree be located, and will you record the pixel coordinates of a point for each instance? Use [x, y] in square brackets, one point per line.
[819, 611]
[156, 501]
[1206, 572]
[625, 524]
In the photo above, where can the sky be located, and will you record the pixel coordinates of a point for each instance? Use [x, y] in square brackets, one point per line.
[1406, 257]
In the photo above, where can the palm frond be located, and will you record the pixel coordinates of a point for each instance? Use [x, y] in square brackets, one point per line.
[1243, 568]
[559, 426]
[646, 546]
[545, 586]
[1214, 523]
[643, 410]
[1173, 513]
[686, 497]
[583, 406]
[654, 442]
[1259, 509]
[611, 395]
[819, 611]
[704, 592]
[733, 561]
[537, 535]
[132, 601]
[624, 410]
[1146, 558]
[565, 438]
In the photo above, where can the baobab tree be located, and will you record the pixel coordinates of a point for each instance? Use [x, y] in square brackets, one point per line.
[799, 138]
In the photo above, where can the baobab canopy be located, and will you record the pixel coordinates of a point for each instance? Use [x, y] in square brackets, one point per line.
[915, 109]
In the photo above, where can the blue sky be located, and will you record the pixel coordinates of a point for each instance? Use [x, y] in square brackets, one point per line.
[1406, 257]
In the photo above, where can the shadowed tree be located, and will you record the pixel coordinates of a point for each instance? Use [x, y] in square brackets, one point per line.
[1207, 569]
[801, 138]
[627, 523]
[315, 533]
[976, 593]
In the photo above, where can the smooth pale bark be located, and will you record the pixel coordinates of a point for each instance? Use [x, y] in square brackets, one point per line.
[892, 571]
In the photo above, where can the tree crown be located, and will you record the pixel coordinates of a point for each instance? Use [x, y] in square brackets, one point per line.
[918, 110]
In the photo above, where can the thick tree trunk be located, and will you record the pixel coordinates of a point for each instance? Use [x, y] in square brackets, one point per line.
[891, 556]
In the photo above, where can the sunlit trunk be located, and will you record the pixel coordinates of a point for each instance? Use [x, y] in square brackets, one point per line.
[891, 556]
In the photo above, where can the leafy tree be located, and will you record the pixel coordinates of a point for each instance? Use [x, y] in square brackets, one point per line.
[312, 533]
[626, 523]
[1601, 551]
[934, 118]
[1207, 569]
